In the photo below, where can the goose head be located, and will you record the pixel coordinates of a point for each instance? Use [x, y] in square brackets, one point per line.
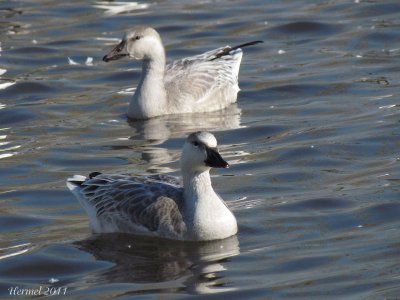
[200, 153]
[141, 43]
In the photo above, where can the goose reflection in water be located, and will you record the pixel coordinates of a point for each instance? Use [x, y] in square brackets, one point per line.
[196, 267]
[148, 135]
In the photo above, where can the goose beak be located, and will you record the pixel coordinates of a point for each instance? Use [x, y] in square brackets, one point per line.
[214, 159]
[118, 52]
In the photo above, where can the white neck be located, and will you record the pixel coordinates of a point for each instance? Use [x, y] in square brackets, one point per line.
[207, 215]
[150, 99]
[196, 184]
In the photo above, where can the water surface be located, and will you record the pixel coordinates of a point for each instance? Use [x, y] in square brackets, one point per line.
[313, 144]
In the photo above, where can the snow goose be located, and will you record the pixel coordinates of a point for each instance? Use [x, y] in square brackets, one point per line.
[159, 205]
[201, 83]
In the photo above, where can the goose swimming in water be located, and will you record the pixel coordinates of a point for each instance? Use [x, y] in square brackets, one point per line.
[159, 205]
[201, 83]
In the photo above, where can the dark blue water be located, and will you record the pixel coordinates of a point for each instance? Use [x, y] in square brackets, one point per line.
[313, 144]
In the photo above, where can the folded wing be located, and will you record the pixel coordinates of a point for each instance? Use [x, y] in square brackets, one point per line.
[133, 204]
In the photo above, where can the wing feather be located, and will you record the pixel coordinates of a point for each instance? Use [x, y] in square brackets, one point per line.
[152, 203]
[198, 78]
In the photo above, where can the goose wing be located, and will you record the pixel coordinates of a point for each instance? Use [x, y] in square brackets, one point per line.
[130, 203]
[196, 78]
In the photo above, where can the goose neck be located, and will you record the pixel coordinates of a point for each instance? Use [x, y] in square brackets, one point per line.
[197, 183]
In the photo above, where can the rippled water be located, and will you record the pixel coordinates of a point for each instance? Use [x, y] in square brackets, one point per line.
[313, 143]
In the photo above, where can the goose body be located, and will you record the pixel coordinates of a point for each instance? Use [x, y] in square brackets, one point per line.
[201, 83]
[161, 205]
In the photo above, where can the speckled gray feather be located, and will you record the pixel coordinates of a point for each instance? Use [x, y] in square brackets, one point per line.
[153, 202]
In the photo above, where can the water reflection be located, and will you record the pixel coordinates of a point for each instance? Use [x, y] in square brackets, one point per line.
[7, 147]
[4, 82]
[149, 260]
[9, 251]
[158, 130]
[116, 8]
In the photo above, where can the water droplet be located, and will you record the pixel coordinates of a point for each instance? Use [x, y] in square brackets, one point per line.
[53, 280]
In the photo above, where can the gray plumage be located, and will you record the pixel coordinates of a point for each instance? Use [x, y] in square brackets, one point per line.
[130, 203]
[161, 205]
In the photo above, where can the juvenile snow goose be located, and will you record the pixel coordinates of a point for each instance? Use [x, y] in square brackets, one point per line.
[159, 205]
[201, 83]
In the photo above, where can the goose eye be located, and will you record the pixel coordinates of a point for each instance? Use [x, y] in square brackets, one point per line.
[137, 37]
[195, 143]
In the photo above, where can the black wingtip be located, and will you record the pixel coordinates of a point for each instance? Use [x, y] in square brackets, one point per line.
[94, 174]
[246, 44]
[229, 49]
[251, 43]
[75, 182]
